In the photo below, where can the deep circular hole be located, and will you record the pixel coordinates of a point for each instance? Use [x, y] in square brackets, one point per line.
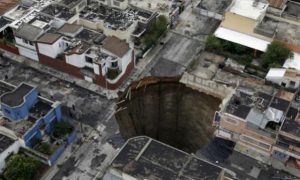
[168, 111]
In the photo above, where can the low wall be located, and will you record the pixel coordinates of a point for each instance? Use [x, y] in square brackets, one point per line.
[206, 86]
[11, 49]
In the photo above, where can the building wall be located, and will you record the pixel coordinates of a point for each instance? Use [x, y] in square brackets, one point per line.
[77, 60]
[31, 54]
[35, 132]
[60, 65]
[9, 48]
[123, 35]
[14, 148]
[20, 112]
[52, 50]
[20, 42]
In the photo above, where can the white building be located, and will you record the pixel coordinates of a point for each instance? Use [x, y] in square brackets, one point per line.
[8, 146]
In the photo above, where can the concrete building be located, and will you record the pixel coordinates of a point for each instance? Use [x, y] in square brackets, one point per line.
[254, 120]
[30, 120]
[8, 146]
[74, 5]
[287, 78]
[255, 24]
[145, 158]
[114, 22]
[87, 54]
[120, 4]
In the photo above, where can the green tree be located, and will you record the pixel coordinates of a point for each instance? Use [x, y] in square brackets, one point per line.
[276, 54]
[61, 129]
[20, 167]
[155, 31]
[212, 43]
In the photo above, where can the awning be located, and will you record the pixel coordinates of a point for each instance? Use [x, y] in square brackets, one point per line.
[243, 39]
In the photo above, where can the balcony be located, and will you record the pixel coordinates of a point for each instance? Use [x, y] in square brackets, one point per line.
[112, 73]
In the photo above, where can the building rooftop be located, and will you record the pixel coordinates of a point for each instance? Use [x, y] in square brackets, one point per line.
[291, 124]
[116, 46]
[279, 30]
[259, 108]
[4, 88]
[6, 5]
[70, 3]
[5, 142]
[277, 3]
[112, 18]
[90, 36]
[217, 6]
[252, 9]
[76, 46]
[29, 32]
[69, 29]
[59, 11]
[18, 13]
[49, 38]
[292, 9]
[145, 158]
[16, 97]
[4, 23]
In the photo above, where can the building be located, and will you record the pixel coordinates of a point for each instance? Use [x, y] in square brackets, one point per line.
[30, 120]
[74, 5]
[145, 158]
[287, 78]
[87, 54]
[8, 146]
[120, 4]
[255, 24]
[259, 122]
[47, 32]
[115, 22]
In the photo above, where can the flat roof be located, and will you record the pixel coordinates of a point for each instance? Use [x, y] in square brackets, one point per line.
[49, 38]
[291, 124]
[218, 6]
[293, 63]
[146, 158]
[29, 32]
[292, 8]
[276, 72]
[6, 5]
[70, 28]
[4, 88]
[247, 9]
[91, 36]
[16, 97]
[116, 46]
[5, 142]
[59, 11]
[241, 38]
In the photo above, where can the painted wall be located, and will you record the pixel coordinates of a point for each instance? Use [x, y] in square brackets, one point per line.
[52, 50]
[20, 112]
[31, 54]
[77, 60]
[14, 148]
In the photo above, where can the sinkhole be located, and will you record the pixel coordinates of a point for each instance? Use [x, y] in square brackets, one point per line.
[168, 111]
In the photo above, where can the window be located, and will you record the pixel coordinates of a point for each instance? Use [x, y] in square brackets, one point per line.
[255, 142]
[114, 64]
[231, 121]
[88, 60]
[116, 3]
[7, 111]
[292, 83]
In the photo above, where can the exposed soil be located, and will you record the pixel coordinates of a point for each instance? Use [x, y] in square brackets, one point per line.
[170, 112]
